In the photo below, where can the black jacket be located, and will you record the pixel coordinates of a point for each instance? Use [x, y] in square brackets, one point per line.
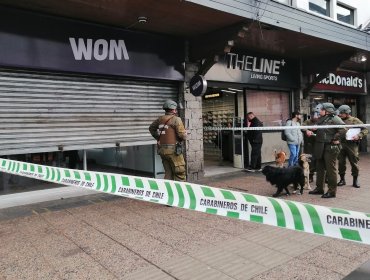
[255, 136]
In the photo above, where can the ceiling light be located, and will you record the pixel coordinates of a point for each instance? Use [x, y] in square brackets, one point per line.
[234, 89]
[224, 90]
[363, 58]
[142, 19]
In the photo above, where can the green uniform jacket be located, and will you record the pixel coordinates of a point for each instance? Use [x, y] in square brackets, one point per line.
[353, 120]
[328, 135]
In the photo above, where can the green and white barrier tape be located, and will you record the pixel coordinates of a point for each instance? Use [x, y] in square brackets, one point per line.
[279, 128]
[332, 222]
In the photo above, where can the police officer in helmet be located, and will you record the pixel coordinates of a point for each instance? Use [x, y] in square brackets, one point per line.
[350, 148]
[326, 150]
[169, 132]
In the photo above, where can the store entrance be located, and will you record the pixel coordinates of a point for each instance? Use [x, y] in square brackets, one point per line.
[219, 110]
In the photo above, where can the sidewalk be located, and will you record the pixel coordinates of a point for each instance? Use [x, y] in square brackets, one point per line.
[107, 237]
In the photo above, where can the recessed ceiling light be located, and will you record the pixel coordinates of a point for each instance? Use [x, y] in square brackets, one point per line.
[142, 19]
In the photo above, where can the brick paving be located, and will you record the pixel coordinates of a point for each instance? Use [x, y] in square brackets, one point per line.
[105, 237]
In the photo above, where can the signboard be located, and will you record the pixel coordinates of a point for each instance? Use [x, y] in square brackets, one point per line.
[342, 81]
[35, 41]
[250, 68]
[198, 85]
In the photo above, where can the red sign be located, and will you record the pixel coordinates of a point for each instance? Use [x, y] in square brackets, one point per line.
[342, 81]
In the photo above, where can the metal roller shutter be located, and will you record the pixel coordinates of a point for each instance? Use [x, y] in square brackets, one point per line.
[40, 112]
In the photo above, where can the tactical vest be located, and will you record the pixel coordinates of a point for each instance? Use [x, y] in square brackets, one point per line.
[167, 132]
[326, 135]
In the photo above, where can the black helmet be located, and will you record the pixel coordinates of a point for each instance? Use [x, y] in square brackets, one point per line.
[344, 109]
[169, 104]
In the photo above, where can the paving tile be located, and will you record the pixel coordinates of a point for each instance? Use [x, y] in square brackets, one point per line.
[297, 270]
[323, 259]
[148, 273]
[345, 248]
[189, 268]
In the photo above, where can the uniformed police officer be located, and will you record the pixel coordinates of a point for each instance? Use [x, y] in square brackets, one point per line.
[169, 132]
[349, 148]
[326, 150]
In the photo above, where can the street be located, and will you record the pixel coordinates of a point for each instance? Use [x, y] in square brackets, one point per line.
[101, 236]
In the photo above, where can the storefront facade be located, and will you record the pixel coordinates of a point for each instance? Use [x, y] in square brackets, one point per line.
[343, 87]
[80, 57]
[251, 82]
[68, 86]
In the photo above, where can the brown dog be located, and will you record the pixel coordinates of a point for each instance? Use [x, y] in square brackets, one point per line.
[303, 161]
[280, 158]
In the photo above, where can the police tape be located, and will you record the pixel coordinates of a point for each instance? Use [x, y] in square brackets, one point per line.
[325, 221]
[278, 128]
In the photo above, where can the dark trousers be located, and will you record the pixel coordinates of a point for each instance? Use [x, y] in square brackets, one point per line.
[256, 155]
[350, 151]
[327, 166]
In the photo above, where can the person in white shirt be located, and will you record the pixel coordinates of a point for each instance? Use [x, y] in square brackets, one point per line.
[294, 138]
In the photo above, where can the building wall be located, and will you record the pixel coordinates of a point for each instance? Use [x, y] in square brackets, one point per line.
[366, 104]
[362, 13]
[292, 18]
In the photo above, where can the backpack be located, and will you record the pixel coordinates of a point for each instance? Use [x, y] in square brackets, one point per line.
[283, 136]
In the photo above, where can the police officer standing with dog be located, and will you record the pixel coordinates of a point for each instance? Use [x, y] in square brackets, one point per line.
[327, 148]
[170, 132]
[350, 148]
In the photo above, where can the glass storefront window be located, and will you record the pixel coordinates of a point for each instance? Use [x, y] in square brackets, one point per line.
[345, 14]
[336, 100]
[321, 7]
[271, 107]
[350, 101]
[286, 2]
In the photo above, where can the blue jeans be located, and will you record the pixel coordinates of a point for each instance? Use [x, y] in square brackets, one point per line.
[294, 152]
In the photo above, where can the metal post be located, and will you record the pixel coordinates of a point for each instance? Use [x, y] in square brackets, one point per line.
[219, 144]
[153, 158]
[84, 160]
[242, 139]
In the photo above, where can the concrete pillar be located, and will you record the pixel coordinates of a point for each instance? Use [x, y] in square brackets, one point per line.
[365, 116]
[192, 115]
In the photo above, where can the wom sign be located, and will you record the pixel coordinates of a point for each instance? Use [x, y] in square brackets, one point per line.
[101, 49]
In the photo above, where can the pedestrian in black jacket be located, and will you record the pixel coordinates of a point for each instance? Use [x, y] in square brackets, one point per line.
[255, 140]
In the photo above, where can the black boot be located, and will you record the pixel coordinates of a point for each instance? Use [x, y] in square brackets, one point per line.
[316, 191]
[356, 184]
[328, 195]
[342, 181]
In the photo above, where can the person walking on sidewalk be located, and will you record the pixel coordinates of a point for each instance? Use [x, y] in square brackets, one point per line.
[350, 147]
[255, 140]
[294, 138]
[169, 132]
[327, 148]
